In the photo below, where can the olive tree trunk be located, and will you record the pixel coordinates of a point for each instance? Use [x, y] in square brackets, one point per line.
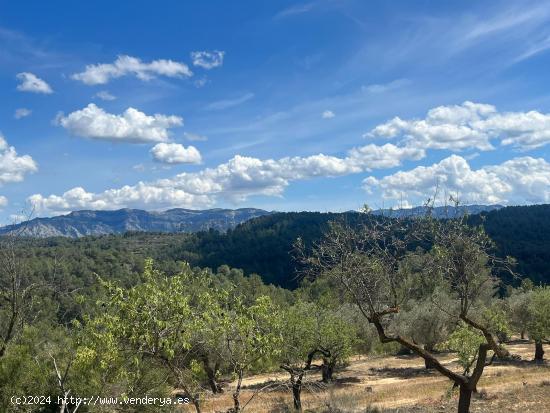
[539, 351]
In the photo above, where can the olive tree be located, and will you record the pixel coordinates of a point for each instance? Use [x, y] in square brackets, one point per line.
[312, 331]
[462, 260]
[518, 310]
[369, 261]
[538, 325]
[425, 324]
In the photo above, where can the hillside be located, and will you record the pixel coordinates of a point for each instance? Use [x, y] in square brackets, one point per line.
[83, 223]
[263, 245]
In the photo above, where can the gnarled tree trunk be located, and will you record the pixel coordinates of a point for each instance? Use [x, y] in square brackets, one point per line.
[427, 362]
[327, 370]
[237, 394]
[539, 351]
[499, 350]
[211, 375]
[467, 384]
[296, 379]
[297, 396]
[464, 399]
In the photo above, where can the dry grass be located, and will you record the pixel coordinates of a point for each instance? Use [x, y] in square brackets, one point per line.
[401, 384]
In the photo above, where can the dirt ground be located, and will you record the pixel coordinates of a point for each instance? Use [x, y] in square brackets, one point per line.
[401, 384]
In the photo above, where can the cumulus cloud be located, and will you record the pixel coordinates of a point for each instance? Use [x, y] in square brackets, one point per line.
[22, 113]
[130, 126]
[235, 180]
[3, 201]
[174, 153]
[372, 156]
[328, 114]
[104, 95]
[470, 125]
[207, 60]
[100, 74]
[32, 83]
[137, 196]
[13, 167]
[516, 181]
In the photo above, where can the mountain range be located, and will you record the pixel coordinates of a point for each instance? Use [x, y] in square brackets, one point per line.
[82, 223]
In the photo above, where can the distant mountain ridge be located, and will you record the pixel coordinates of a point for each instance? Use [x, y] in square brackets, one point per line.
[440, 211]
[88, 222]
[83, 223]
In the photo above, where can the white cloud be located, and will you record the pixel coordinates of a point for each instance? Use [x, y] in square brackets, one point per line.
[105, 95]
[3, 201]
[328, 114]
[32, 83]
[235, 180]
[516, 181]
[13, 167]
[372, 156]
[194, 137]
[101, 74]
[130, 126]
[141, 195]
[229, 103]
[470, 125]
[526, 130]
[208, 60]
[175, 153]
[22, 113]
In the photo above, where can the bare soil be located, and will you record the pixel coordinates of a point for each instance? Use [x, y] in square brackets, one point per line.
[400, 384]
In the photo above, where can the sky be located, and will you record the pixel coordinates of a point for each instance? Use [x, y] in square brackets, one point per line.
[282, 105]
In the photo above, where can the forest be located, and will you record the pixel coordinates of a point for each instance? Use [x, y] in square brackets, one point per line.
[192, 321]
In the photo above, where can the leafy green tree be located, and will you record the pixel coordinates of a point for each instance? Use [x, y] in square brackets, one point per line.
[425, 324]
[300, 346]
[465, 340]
[538, 325]
[518, 310]
[251, 333]
[313, 331]
[336, 336]
[155, 321]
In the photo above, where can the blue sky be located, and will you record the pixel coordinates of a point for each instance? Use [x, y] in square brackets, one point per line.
[322, 105]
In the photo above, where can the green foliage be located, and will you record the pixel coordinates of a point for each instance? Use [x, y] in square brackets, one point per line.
[538, 325]
[465, 341]
[497, 319]
[517, 306]
[424, 323]
[310, 327]
[154, 322]
[252, 333]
